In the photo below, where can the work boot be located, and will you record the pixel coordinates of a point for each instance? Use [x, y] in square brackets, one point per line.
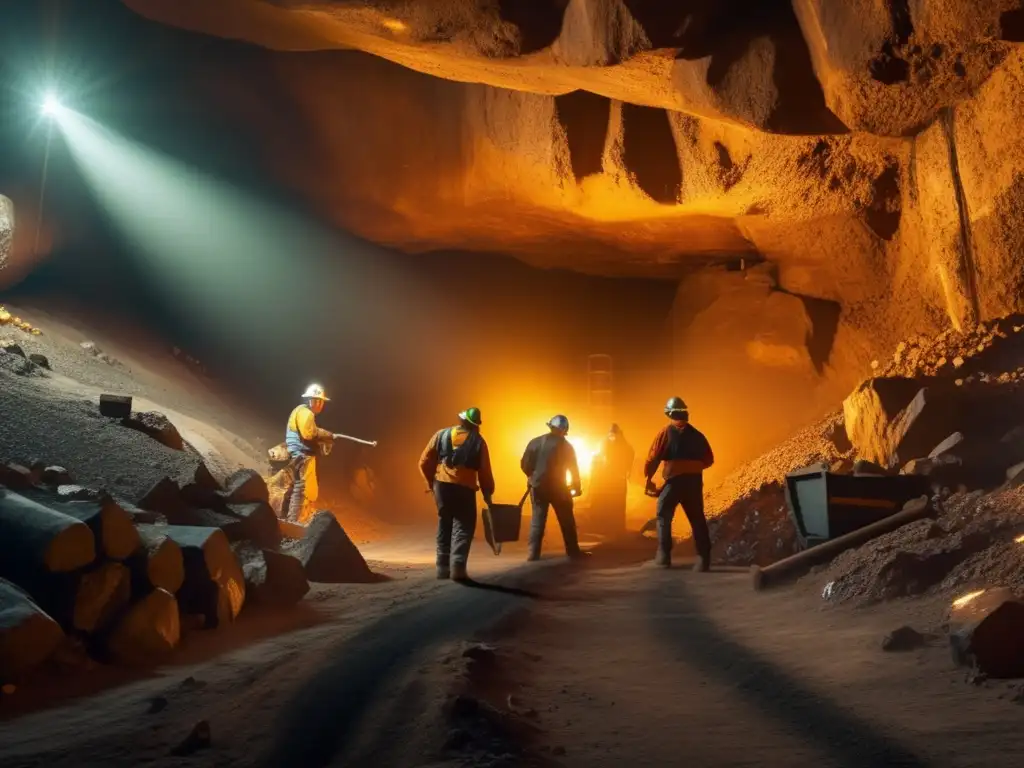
[702, 565]
[662, 559]
[577, 554]
[459, 572]
[443, 572]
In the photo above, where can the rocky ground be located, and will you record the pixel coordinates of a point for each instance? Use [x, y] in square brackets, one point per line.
[410, 670]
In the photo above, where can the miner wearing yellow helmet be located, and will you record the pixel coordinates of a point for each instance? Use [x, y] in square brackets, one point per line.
[304, 440]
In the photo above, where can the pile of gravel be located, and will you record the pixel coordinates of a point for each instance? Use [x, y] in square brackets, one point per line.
[989, 350]
[41, 423]
[971, 545]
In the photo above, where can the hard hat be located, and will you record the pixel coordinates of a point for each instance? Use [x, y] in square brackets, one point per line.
[472, 415]
[559, 422]
[315, 392]
[675, 404]
[615, 429]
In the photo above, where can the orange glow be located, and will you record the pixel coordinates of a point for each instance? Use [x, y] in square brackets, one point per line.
[585, 453]
[395, 25]
[1019, 540]
[960, 602]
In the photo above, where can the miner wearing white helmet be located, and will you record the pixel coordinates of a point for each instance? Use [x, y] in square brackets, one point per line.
[683, 453]
[549, 461]
[304, 440]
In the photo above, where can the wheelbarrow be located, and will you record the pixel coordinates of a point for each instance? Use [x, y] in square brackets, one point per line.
[502, 523]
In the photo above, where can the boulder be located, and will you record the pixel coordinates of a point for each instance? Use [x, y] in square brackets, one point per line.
[245, 486]
[921, 425]
[259, 522]
[57, 476]
[36, 540]
[869, 411]
[157, 426]
[903, 639]
[86, 601]
[271, 577]
[115, 406]
[233, 528]
[74, 492]
[17, 477]
[986, 632]
[164, 497]
[158, 564]
[116, 536]
[147, 632]
[28, 635]
[200, 488]
[214, 586]
[328, 554]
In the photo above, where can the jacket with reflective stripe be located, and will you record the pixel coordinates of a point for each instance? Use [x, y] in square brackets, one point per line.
[681, 449]
[432, 467]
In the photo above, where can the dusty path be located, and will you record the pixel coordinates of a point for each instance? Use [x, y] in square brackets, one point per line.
[664, 668]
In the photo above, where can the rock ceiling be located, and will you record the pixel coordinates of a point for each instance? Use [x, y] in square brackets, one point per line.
[867, 149]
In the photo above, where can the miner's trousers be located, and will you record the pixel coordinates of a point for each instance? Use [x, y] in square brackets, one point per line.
[686, 491]
[562, 502]
[456, 522]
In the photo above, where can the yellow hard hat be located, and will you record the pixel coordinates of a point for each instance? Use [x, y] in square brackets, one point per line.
[315, 392]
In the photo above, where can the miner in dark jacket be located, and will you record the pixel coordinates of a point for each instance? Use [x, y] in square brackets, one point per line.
[554, 478]
[455, 464]
[683, 453]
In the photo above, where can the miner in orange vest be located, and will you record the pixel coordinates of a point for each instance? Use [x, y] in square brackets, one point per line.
[455, 464]
[683, 453]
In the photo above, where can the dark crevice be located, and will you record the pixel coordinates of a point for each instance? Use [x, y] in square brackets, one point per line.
[649, 152]
[888, 68]
[1011, 26]
[884, 212]
[584, 116]
[902, 25]
[724, 31]
[729, 172]
[824, 317]
[968, 267]
[539, 21]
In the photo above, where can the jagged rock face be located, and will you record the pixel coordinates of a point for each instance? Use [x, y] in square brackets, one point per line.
[868, 149]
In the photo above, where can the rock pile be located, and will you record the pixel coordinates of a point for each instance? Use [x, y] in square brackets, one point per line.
[944, 407]
[993, 349]
[976, 542]
[121, 581]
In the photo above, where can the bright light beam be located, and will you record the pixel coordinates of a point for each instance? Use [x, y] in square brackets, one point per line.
[245, 272]
[52, 106]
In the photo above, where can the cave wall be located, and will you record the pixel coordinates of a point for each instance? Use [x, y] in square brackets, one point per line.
[866, 150]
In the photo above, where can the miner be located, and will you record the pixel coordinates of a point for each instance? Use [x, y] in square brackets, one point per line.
[683, 453]
[609, 476]
[554, 478]
[455, 464]
[305, 440]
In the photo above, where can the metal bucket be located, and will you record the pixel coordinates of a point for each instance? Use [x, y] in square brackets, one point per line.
[502, 523]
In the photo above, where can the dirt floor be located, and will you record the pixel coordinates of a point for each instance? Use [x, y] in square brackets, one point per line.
[541, 664]
[546, 664]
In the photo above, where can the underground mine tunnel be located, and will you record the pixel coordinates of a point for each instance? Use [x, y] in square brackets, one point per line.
[800, 216]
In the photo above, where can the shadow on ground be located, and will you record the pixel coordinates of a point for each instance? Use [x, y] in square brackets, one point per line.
[690, 637]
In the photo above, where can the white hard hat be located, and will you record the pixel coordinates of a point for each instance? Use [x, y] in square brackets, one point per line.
[315, 392]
